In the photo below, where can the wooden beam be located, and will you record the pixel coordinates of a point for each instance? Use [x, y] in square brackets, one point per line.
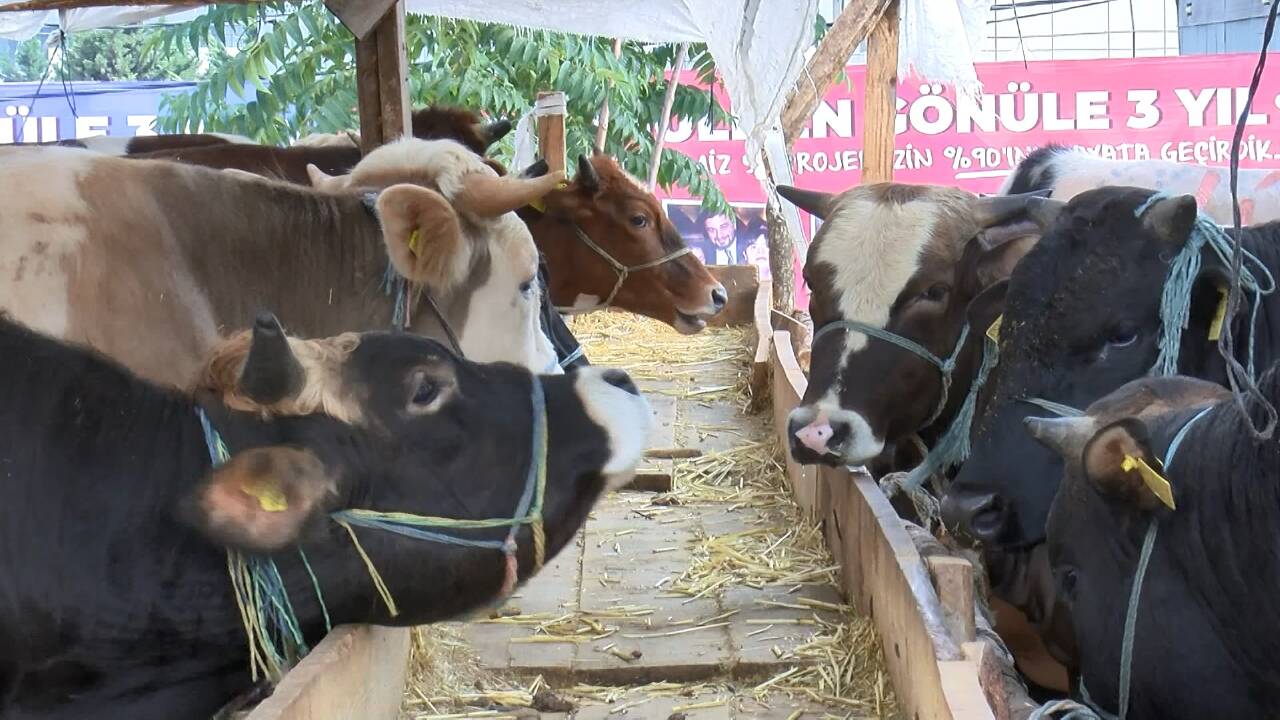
[393, 75]
[368, 93]
[359, 16]
[551, 131]
[880, 99]
[833, 53]
[74, 4]
[381, 81]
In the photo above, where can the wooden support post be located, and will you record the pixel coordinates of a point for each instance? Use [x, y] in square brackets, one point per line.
[381, 81]
[953, 579]
[880, 99]
[551, 131]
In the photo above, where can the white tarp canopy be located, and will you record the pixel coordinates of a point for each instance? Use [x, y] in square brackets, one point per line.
[759, 46]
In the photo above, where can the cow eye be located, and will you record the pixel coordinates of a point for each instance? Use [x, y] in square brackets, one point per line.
[936, 292]
[639, 221]
[526, 287]
[1121, 338]
[426, 392]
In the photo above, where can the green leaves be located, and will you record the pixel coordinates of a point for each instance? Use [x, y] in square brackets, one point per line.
[295, 67]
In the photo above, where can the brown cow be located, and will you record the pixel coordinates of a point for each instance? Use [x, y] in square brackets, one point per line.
[608, 243]
[290, 164]
[151, 261]
[112, 145]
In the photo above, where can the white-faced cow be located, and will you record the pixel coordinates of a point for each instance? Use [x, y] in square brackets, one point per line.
[151, 261]
[608, 243]
[1065, 172]
[115, 599]
[1083, 317]
[1205, 635]
[906, 260]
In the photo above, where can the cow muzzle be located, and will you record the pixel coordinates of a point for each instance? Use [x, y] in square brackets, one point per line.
[831, 436]
[981, 518]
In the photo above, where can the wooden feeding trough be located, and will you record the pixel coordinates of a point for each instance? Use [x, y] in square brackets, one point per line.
[923, 610]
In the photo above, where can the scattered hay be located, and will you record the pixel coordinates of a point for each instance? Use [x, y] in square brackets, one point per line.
[839, 667]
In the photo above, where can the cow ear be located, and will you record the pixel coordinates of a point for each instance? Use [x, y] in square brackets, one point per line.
[1171, 219]
[1001, 254]
[262, 500]
[320, 180]
[424, 239]
[1118, 462]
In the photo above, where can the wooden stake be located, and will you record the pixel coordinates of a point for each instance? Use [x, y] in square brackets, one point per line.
[845, 35]
[664, 120]
[381, 75]
[551, 132]
[880, 99]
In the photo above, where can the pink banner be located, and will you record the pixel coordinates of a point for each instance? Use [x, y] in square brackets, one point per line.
[1177, 108]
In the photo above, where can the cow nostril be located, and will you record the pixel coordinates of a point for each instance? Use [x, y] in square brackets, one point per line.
[719, 298]
[987, 520]
[620, 380]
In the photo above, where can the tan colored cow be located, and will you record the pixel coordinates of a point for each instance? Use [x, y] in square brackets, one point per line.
[151, 262]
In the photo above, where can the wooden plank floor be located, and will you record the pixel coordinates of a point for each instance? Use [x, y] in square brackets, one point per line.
[614, 587]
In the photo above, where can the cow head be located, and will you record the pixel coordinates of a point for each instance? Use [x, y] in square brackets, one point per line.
[625, 220]
[1082, 318]
[908, 259]
[448, 224]
[439, 122]
[1097, 525]
[394, 422]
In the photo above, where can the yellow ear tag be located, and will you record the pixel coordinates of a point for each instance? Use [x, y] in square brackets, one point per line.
[993, 332]
[1215, 327]
[268, 494]
[414, 239]
[1154, 481]
[541, 206]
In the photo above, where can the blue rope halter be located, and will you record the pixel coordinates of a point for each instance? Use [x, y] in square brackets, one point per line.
[1090, 710]
[273, 627]
[945, 367]
[1175, 300]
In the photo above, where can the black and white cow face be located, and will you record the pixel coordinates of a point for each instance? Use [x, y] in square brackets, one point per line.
[907, 259]
[380, 417]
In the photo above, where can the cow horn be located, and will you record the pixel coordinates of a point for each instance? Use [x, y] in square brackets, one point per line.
[537, 169]
[1044, 211]
[490, 196]
[1061, 434]
[587, 178]
[813, 202]
[271, 372]
[996, 209]
[495, 131]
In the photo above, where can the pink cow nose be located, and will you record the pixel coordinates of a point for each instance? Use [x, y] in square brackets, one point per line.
[815, 436]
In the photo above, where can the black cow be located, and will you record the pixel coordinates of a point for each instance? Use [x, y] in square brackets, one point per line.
[115, 600]
[1082, 318]
[1207, 629]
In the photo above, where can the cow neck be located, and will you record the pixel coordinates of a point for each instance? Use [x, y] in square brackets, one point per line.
[1261, 241]
[315, 260]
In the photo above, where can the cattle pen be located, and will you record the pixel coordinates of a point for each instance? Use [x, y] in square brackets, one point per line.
[556, 456]
[675, 599]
